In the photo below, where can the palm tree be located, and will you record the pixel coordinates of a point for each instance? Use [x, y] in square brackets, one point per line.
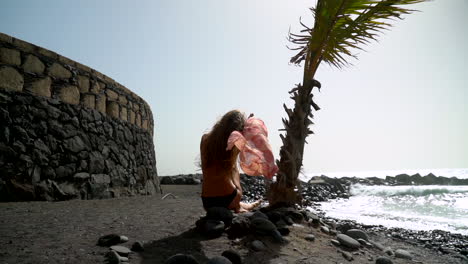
[340, 27]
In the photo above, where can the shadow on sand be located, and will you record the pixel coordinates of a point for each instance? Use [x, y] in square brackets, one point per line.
[190, 243]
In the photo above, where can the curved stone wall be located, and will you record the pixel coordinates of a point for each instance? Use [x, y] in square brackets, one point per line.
[68, 131]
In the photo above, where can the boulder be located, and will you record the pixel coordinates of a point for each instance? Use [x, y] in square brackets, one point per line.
[356, 234]
[181, 259]
[258, 245]
[219, 260]
[109, 240]
[221, 214]
[262, 226]
[383, 260]
[121, 250]
[401, 253]
[348, 241]
[233, 256]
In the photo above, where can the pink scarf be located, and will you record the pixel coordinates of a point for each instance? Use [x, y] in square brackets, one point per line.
[256, 157]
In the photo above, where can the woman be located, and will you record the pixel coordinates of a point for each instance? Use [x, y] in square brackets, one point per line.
[221, 181]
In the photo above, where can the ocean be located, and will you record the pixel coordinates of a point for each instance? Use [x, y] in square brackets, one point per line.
[427, 207]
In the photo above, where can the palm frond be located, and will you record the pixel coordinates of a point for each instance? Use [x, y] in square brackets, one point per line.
[344, 26]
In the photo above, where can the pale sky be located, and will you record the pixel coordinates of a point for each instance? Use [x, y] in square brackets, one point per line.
[403, 105]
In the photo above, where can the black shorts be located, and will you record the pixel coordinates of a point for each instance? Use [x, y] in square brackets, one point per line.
[219, 201]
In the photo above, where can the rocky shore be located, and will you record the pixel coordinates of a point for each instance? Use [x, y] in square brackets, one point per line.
[323, 188]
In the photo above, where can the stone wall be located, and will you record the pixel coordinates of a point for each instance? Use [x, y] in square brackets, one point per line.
[68, 131]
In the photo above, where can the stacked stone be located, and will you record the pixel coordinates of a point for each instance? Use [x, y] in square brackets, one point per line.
[25, 67]
[67, 131]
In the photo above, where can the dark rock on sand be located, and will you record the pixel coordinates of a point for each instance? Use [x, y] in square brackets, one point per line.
[181, 259]
[213, 228]
[309, 237]
[335, 242]
[283, 230]
[348, 256]
[356, 233]
[288, 220]
[277, 237]
[262, 226]
[240, 227]
[296, 216]
[219, 260]
[401, 253]
[377, 245]
[364, 242]
[325, 229]
[113, 257]
[258, 245]
[138, 246]
[259, 214]
[221, 214]
[383, 260]
[121, 250]
[348, 241]
[388, 251]
[274, 216]
[109, 240]
[233, 256]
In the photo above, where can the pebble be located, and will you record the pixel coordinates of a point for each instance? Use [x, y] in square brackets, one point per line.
[383, 260]
[109, 240]
[258, 245]
[364, 242]
[123, 239]
[348, 241]
[356, 233]
[138, 246]
[388, 251]
[348, 256]
[335, 242]
[325, 229]
[181, 259]
[121, 250]
[377, 245]
[401, 253]
[310, 237]
[219, 260]
[213, 228]
[113, 257]
[233, 256]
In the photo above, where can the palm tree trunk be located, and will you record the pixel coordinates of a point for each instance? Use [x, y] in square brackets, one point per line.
[286, 190]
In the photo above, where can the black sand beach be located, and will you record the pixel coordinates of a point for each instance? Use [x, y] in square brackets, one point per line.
[67, 232]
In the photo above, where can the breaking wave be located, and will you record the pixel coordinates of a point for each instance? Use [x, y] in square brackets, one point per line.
[405, 190]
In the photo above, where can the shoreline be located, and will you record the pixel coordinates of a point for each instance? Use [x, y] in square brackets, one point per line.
[323, 188]
[67, 232]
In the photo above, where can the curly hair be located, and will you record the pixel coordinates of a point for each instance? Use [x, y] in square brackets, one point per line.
[213, 150]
